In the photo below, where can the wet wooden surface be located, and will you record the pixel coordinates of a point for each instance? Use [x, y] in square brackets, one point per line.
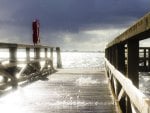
[66, 91]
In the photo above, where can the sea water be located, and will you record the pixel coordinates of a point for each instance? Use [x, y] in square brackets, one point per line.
[82, 60]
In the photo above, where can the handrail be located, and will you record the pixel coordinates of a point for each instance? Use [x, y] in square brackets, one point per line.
[141, 101]
[7, 45]
[33, 68]
[126, 55]
[141, 26]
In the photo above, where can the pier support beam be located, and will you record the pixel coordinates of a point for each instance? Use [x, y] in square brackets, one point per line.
[12, 70]
[132, 67]
[36, 53]
[148, 59]
[114, 48]
[45, 50]
[133, 61]
[37, 56]
[51, 56]
[144, 57]
[121, 58]
[59, 62]
[27, 54]
[13, 54]
[120, 65]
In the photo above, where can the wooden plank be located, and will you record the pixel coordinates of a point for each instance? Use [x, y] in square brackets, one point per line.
[27, 54]
[139, 31]
[59, 62]
[8, 45]
[7, 65]
[37, 53]
[121, 94]
[51, 56]
[133, 61]
[78, 92]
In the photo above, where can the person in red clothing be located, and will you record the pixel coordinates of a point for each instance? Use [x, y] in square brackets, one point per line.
[36, 31]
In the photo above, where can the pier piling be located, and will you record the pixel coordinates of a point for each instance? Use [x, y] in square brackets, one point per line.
[45, 50]
[27, 54]
[133, 62]
[59, 62]
[12, 70]
[13, 54]
[51, 56]
[37, 53]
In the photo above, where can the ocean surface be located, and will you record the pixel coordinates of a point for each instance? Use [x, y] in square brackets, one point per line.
[83, 60]
[96, 60]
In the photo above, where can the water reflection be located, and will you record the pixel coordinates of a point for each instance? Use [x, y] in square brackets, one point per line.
[60, 93]
[144, 82]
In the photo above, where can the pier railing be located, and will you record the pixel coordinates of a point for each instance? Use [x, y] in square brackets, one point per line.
[124, 60]
[32, 69]
[144, 59]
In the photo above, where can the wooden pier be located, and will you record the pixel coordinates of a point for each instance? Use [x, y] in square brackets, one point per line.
[79, 90]
[32, 68]
[66, 91]
[124, 60]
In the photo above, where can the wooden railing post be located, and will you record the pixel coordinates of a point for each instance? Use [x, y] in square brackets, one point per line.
[148, 59]
[110, 58]
[45, 50]
[121, 58]
[120, 61]
[51, 56]
[132, 67]
[27, 54]
[144, 50]
[12, 70]
[133, 61]
[59, 63]
[114, 56]
[13, 54]
[36, 53]
[109, 54]
[122, 69]
[37, 57]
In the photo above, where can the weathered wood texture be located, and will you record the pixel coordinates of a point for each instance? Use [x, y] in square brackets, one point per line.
[59, 62]
[10, 70]
[128, 62]
[137, 98]
[144, 59]
[139, 31]
[133, 62]
[67, 91]
[9, 45]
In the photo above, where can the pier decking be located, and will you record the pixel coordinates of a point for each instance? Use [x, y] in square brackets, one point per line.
[66, 91]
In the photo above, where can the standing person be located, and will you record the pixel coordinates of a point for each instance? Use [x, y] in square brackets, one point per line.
[36, 31]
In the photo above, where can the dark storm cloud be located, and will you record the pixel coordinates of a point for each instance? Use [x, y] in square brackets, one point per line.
[74, 15]
[64, 21]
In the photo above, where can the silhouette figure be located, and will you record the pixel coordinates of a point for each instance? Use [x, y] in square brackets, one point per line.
[36, 31]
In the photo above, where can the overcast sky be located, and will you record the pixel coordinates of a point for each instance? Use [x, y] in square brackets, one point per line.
[70, 24]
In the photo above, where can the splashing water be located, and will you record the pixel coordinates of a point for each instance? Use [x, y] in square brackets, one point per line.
[86, 81]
